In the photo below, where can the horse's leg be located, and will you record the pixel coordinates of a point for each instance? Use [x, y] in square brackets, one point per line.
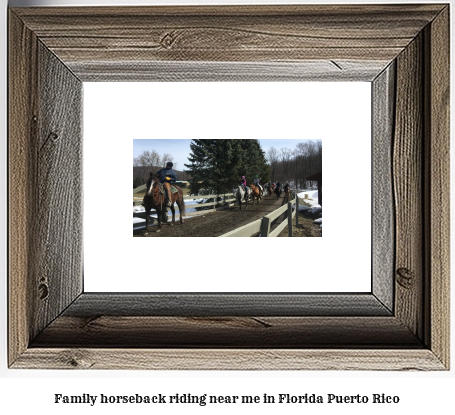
[158, 214]
[182, 207]
[179, 204]
[147, 213]
[173, 214]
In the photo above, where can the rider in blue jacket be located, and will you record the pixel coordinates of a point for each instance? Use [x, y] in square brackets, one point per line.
[167, 176]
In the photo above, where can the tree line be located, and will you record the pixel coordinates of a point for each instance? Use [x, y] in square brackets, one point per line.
[215, 166]
[149, 161]
[296, 165]
[152, 158]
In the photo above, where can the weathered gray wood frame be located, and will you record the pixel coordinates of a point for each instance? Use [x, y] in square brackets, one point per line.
[403, 50]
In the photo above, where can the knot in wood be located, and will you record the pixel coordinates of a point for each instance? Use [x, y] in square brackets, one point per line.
[76, 359]
[43, 291]
[405, 278]
[168, 39]
[53, 136]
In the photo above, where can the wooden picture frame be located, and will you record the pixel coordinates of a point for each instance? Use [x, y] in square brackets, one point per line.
[403, 324]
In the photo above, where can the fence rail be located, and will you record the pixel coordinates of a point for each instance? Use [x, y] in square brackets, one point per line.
[263, 225]
[228, 201]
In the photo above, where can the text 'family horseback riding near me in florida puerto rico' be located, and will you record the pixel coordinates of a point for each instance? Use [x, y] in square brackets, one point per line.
[207, 399]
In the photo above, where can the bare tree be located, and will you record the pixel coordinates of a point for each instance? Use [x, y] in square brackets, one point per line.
[166, 158]
[285, 158]
[147, 159]
[272, 158]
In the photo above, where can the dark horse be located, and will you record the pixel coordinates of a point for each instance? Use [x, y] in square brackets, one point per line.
[154, 199]
[270, 189]
[278, 192]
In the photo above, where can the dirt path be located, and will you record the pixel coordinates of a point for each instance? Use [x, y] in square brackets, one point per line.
[216, 223]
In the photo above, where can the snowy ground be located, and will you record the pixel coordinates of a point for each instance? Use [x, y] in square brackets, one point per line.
[188, 209]
[311, 197]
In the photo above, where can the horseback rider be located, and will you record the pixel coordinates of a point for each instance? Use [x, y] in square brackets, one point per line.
[243, 183]
[257, 182]
[166, 176]
[278, 188]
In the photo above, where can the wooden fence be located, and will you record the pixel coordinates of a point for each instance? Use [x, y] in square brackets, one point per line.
[263, 225]
[227, 201]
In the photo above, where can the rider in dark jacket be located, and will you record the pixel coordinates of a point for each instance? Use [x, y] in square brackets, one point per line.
[166, 176]
[278, 189]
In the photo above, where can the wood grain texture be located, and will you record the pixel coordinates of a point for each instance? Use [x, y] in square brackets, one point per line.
[383, 215]
[309, 71]
[229, 359]
[234, 304]
[21, 173]
[438, 192]
[58, 213]
[407, 183]
[257, 332]
[227, 34]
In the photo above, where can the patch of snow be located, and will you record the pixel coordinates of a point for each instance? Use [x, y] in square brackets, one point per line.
[311, 199]
[318, 221]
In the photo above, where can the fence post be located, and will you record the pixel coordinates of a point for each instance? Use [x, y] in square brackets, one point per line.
[265, 227]
[290, 219]
[296, 211]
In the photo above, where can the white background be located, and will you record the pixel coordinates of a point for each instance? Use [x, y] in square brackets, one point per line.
[338, 113]
[30, 391]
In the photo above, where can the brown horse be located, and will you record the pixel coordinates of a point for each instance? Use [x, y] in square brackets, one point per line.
[270, 189]
[256, 193]
[154, 199]
[287, 194]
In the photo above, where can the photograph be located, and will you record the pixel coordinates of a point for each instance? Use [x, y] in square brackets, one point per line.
[227, 187]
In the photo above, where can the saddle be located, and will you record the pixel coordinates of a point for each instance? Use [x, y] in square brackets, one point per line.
[163, 191]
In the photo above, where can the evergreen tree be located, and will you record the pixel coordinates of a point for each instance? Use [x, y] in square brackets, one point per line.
[212, 165]
[138, 181]
[253, 161]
